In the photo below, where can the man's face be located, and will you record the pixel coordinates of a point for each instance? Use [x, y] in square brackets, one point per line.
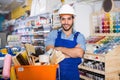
[66, 21]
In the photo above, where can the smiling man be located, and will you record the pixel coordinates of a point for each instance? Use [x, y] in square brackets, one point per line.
[70, 42]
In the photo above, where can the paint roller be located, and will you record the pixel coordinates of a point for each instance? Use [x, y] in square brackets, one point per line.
[7, 66]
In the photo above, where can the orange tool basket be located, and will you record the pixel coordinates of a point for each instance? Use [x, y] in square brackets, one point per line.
[42, 72]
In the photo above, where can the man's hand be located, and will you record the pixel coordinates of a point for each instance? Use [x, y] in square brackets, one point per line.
[59, 49]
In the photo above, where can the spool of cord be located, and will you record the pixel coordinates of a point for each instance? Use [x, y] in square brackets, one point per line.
[7, 66]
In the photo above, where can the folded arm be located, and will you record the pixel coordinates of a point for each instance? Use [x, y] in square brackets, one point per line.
[69, 52]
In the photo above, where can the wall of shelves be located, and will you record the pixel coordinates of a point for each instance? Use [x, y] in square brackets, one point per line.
[34, 30]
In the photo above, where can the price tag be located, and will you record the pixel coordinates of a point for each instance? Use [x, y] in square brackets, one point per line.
[20, 69]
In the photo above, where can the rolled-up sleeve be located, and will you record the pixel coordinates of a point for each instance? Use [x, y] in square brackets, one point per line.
[82, 41]
[50, 40]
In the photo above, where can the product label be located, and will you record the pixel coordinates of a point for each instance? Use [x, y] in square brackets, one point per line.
[20, 69]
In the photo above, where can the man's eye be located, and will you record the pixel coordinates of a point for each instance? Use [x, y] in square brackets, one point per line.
[62, 18]
[69, 18]
[66, 18]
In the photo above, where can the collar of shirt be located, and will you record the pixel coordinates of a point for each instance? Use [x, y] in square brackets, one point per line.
[63, 36]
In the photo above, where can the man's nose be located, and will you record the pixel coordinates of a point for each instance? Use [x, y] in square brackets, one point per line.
[66, 21]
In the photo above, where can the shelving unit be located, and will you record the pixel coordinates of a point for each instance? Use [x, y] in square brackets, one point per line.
[101, 60]
[34, 30]
[41, 31]
[83, 77]
[56, 21]
[1, 58]
[112, 64]
[92, 70]
[13, 40]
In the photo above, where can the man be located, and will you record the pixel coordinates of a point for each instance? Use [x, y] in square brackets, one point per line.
[69, 42]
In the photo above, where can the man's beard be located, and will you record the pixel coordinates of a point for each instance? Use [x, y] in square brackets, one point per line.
[68, 28]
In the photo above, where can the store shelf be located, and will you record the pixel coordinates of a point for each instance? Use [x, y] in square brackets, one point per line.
[40, 32]
[38, 39]
[1, 58]
[37, 26]
[85, 78]
[106, 34]
[34, 29]
[104, 59]
[96, 57]
[103, 54]
[92, 70]
[110, 59]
